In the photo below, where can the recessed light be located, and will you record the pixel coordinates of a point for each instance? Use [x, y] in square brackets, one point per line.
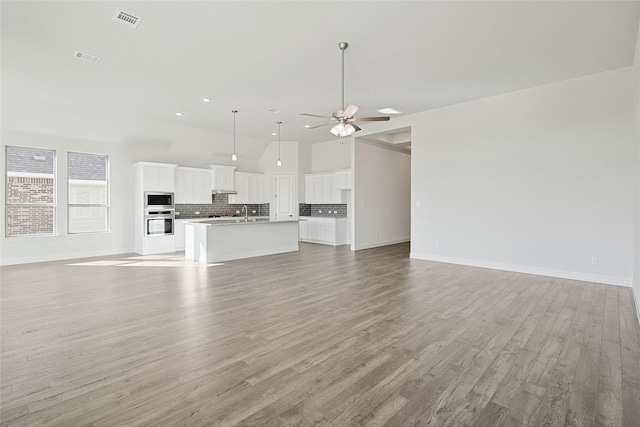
[206, 99]
[178, 114]
[307, 126]
[273, 110]
[85, 56]
[389, 110]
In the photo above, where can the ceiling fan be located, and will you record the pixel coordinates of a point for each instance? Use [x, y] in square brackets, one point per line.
[343, 120]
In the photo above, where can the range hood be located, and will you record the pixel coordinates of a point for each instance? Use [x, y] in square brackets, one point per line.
[214, 192]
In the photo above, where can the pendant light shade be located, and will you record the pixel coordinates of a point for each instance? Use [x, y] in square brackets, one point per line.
[234, 157]
[342, 129]
[279, 162]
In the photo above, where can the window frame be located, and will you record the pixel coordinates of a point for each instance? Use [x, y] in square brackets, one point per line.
[107, 206]
[7, 205]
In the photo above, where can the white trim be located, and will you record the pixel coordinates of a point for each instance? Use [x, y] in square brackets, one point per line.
[636, 300]
[65, 256]
[378, 244]
[30, 175]
[607, 280]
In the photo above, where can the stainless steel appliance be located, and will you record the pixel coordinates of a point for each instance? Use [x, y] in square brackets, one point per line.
[159, 223]
[154, 200]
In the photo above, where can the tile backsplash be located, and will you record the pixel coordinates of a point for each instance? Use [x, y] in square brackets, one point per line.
[339, 210]
[219, 206]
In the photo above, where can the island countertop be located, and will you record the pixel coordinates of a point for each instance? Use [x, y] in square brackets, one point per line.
[218, 241]
[241, 221]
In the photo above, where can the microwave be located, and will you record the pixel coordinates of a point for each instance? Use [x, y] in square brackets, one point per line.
[157, 200]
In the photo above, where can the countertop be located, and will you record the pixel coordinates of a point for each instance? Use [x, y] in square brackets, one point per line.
[241, 221]
[221, 218]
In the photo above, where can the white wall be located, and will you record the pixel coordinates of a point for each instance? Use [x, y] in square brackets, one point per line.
[331, 155]
[304, 166]
[382, 196]
[636, 115]
[539, 180]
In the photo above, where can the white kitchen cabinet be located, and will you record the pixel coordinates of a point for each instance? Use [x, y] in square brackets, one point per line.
[249, 188]
[320, 188]
[343, 179]
[158, 177]
[304, 229]
[222, 178]
[178, 233]
[193, 186]
[328, 231]
[309, 193]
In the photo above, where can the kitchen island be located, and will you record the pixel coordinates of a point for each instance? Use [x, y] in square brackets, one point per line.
[217, 241]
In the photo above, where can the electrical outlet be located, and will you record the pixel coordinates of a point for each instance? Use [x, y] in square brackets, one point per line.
[197, 213]
[595, 260]
[237, 211]
[253, 211]
[377, 234]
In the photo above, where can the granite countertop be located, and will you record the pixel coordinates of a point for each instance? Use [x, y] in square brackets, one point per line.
[242, 221]
[221, 218]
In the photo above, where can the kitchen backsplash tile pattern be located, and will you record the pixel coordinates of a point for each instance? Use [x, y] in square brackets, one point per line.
[323, 210]
[219, 206]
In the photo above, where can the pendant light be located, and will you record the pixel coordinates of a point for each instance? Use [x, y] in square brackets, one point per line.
[279, 162]
[234, 158]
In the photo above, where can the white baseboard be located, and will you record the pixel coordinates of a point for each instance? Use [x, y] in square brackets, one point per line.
[64, 256]
[607, 280]
[636, 300]
[378, 244]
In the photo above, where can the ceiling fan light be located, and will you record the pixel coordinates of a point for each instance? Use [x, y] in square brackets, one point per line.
[338, 129]
[234, 158]
[348, 130]
[279, 163]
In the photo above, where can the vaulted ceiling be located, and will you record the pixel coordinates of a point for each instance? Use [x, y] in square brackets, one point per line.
[256, 56]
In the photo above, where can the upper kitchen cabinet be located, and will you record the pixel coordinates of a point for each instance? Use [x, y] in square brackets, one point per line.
[343, 179]
[157, 176]
[249, 188]
[222, 178]
[193, 186]
[320, 188]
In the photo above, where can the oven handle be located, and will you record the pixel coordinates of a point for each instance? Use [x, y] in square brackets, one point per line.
[163, 214]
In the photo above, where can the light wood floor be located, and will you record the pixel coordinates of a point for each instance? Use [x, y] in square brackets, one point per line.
[321, 337]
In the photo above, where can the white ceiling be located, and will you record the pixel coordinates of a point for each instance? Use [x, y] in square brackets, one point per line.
[252, 56]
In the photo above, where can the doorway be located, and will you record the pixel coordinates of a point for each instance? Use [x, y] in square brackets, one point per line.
[284, 200]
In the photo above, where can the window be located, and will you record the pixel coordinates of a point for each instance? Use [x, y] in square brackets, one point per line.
[30, 196]
[88, 193]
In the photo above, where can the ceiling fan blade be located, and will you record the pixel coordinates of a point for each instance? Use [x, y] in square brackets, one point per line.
[356, 127]
[371, 119]
[350, 111]
[316, 115]
[319, 126]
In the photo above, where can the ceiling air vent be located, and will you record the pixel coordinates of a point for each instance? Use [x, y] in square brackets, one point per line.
[127, 18]
[87, 57]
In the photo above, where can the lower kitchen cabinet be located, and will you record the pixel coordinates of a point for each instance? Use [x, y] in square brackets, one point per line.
[328, 231]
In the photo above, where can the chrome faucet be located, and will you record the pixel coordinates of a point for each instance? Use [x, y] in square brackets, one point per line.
[246, 213]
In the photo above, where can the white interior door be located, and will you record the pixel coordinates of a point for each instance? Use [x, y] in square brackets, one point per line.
[284, 196]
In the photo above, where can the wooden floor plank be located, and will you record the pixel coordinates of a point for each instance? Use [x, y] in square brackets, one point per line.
[325, 336]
